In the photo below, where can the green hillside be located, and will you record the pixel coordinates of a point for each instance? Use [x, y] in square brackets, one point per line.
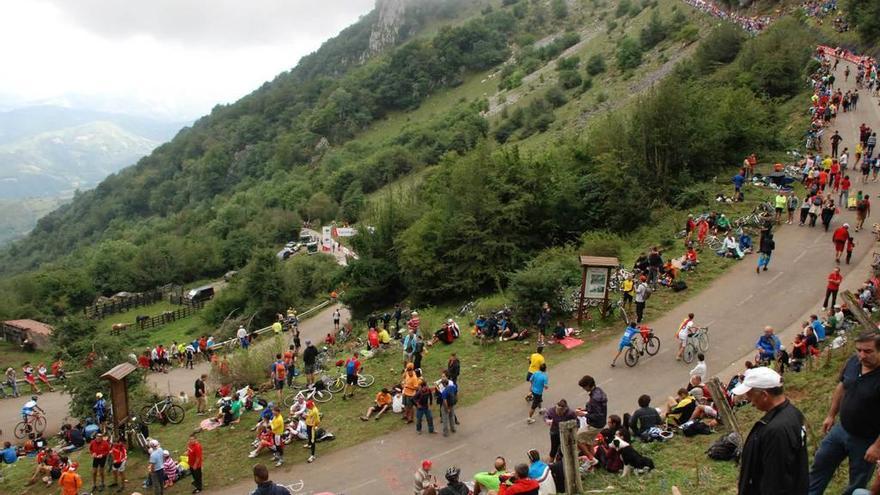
[483, 134]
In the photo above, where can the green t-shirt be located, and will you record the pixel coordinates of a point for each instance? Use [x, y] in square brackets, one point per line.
[236, 409]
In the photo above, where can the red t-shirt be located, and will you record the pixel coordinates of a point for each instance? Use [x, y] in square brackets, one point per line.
[373, 337]
[119, 453]
[844, 185]
[99, 448]
[143, 361]
[834, 280]
[194, 453]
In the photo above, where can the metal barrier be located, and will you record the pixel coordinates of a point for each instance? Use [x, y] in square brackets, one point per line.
[305, 314]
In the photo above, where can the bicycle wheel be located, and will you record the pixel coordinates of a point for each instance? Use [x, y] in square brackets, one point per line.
[323, 395]
[631, 358]
[653, 345]
[142, 442]
[289, 399]
[703, 341]
[689, 353]
[39, 424]
[337, 385]
[364, 381]
[148, 414]
[22, 429]
[175, 414]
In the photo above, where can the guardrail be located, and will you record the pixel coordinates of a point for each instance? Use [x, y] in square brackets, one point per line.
[305, 314]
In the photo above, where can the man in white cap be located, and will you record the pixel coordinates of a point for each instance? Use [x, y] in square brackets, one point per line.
[774, 457]
[157, 465]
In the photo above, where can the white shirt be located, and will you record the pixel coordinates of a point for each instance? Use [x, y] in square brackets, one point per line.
[844, 159]
[685, 330]
[242, 333]
[700, 370]
[730, 243]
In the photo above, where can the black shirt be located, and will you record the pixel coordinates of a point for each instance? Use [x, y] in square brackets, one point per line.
[309, 355]
[643, 419]
[200, 387]
[861, 400]
[774, 457]
[453, 369]
[455, 488]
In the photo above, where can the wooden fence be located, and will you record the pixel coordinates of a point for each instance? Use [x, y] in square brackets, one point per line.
[146, 322]
[102, 310]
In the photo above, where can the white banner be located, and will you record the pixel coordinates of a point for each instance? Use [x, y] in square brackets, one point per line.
[327, 237]
[346, 231]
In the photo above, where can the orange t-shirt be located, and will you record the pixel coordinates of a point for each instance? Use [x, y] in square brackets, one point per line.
[411, 384]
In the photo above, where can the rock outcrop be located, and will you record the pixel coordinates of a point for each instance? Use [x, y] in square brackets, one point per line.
[386, 31]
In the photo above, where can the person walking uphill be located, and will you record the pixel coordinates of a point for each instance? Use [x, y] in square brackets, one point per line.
[839, 238]
[834, 281]
[643, 292]
[765, 250]
[774, 456]
[857, 436]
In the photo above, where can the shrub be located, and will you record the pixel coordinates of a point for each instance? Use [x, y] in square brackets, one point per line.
[544, 279]
[601, 243]
[569, 79]
[555, 96]
[623, 8]
[596, 64]
[568, 63]
[629, 54]
[250, 367]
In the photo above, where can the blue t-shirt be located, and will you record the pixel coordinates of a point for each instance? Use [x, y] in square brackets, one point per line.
[628, 334]
[157, 459]
[537, 469]
[539, 381]
[819, 329]
[100, 409]
[738, 180]
[8, 455]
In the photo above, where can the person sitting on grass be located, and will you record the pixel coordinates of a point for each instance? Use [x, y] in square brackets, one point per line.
[48, 465]
[680, 408]
[561, 332]
[510, 332]
[643, 419]
[383, 402]
[171, 469]
[690, 259]
[490, 481]
[265, 441]
[703, 410]
[384, 337]
[298, 408]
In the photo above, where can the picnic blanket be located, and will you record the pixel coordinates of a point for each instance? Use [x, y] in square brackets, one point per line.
[209, 424]
[570, 342]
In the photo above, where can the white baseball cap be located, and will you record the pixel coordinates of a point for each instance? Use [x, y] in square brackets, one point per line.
[762, 377]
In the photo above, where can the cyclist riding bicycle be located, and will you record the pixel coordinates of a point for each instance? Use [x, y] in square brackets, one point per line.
[626, 341]
[29, 407]
[684, 331]
[768, 346]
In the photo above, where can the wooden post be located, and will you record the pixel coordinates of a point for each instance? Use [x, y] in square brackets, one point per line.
[568, 442]
[858, 312]
[581, 296]
[728, 417]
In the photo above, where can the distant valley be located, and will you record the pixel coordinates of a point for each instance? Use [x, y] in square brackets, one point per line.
[47, 153]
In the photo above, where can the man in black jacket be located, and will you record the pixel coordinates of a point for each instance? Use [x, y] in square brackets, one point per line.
[774, 457]
[644, 418]
[310, 356]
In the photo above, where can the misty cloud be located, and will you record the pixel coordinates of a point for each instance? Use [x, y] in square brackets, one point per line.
[211, 22]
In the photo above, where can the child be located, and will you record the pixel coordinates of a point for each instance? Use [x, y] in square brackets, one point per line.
[42, 375]
[850, 245]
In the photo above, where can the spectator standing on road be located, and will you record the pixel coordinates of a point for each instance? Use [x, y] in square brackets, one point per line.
[538, 384]
[839, 238]
[536, 359]
[423, 400]
[553, 417]
[834, 281]
[264, 485]
[448, 399]
[200, 391]
[700, 369]
[424, 482]
[278, 370]
[596, 409]
[196, 460]
[313, 420]
[11, 380]
[774, 456]
[863, 211]
[642, 295]
[310, 356]
[835, 143]
[857, 436]
[336, 317]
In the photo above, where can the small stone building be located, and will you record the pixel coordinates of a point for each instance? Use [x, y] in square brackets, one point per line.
[16, 331]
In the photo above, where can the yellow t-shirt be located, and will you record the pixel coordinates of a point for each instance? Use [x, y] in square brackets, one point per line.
[277, 424]
[313, 417]
[628, 287]
[384, 337]
[826, 163]
[276, 327]
[535, 362]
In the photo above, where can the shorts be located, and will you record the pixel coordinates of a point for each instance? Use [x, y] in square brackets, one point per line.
[279, 384]
[309, 369]
[528, 376]
[351, 379]
[119, 467]
[791, 210]
[838, 246]
[627, 297]
[408, 401]
[99, 462]
[624, 343]
[537, 399]
[779, 210]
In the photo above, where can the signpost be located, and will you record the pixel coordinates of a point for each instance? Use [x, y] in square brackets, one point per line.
[595, 282]
[119, 392]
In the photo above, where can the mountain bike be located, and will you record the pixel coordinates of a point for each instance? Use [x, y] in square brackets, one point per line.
[164, 410]
[337, 384]
[134, 431]
[309, 393]
[698, 341]
[35, 423]
[645, 343]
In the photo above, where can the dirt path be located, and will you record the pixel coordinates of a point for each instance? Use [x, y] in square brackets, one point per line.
[736, 307]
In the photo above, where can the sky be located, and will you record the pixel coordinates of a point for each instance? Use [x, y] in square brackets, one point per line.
[173, 59]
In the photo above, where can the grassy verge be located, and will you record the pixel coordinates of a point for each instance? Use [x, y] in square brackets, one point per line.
[682, 461]
[13, 355]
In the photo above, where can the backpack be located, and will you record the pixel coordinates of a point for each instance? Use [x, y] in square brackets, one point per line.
[726, 448]
[694, 428]
[679, 285]
[609, 458]
[280, 371]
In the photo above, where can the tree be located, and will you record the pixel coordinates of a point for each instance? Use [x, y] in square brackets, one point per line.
[263, 286]
[629, 54]
[320, 207]
[559, 9]
[864, 15]
[654, 32]
[352, 202]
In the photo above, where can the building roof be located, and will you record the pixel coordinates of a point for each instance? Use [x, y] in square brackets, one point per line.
[599, 261]
[31, 326]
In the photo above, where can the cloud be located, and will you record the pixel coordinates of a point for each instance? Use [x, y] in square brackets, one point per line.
[216, 23]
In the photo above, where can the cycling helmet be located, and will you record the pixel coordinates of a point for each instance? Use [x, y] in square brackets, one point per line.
[453, 473]
[34, 397]
[99, 395]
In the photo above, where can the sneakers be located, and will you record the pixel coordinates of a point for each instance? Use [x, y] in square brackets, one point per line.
[311, 459]
[252, 454]
[279, 462]
[530, 421]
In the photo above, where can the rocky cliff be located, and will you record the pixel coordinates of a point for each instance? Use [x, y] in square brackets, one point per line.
[386, 31]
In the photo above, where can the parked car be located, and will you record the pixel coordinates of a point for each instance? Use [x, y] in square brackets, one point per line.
[199, 294]
[283, 254]
[312, 247]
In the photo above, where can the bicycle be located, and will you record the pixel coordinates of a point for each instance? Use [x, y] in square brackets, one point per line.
[35, 423]
[133, 430]
[338, 383]
[295, 487]
[697, 341]
[164, 410]
[309, 393]
[713, 242]
[645, 343]
[467, 308]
